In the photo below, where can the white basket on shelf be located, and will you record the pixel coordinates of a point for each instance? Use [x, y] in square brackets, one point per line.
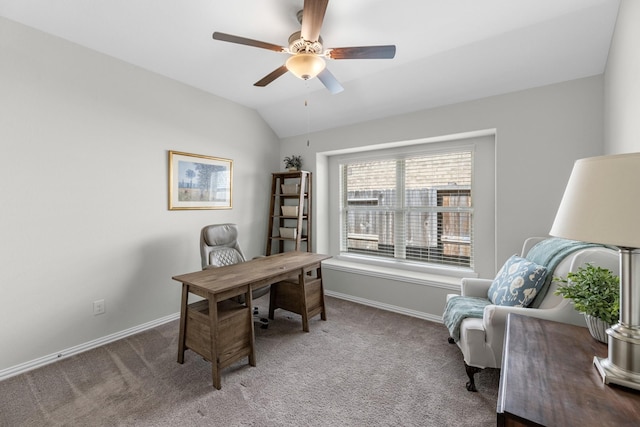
[290, 188]
[290, 210]
[287, 233]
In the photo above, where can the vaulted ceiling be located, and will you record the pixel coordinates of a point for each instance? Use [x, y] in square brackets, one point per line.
[448, 51]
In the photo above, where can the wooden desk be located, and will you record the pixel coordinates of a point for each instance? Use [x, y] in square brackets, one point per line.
[221, 330]
[548, 379]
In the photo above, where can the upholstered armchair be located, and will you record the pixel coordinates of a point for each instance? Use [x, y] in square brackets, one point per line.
[480, 338]
[219, 247]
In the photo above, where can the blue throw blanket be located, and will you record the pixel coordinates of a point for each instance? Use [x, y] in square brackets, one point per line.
[549, 253]
[459, 308]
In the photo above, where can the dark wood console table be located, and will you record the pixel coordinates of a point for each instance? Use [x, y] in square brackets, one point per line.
[548, 379]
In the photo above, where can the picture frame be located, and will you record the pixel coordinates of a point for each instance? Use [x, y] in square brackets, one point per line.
[199, 182]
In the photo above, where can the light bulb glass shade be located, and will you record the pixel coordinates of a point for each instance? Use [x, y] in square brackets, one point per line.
[601, 203]
[305, 66]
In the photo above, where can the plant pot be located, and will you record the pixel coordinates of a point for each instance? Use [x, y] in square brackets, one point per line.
[597, 328]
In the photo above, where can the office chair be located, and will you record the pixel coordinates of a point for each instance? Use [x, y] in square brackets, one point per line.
[219, 247]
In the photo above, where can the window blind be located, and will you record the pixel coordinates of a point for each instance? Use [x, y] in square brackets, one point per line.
[415, 208]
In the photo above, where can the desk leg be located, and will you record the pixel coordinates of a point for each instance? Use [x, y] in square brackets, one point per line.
[303, 300]
[248, 297]
[272, 300]
[183, 322]
[214, 336]
[323, 313]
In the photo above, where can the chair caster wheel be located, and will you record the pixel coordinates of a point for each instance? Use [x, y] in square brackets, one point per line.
[264, 323]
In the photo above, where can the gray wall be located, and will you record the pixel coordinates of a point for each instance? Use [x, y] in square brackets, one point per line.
[539, 134]
[622, 83]
[84, 141]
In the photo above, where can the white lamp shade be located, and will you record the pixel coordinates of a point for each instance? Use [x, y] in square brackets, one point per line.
[601, 203]
[305, 66]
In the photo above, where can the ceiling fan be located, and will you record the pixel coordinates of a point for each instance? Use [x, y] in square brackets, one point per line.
[307, 52]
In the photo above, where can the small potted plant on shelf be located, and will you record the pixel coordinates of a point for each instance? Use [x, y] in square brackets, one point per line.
[293, 163]
[595, 291]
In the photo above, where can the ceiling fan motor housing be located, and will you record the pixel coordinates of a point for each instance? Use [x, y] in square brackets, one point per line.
[297, 44]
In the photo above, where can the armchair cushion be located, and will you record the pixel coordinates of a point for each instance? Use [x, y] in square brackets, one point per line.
[517, 283]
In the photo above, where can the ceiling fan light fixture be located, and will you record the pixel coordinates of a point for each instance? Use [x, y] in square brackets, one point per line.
[305, 66]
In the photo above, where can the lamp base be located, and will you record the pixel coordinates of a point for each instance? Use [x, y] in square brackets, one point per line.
[611, 374]
[622, 367]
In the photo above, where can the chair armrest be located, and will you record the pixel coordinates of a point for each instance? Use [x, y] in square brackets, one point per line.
[473, 287]
[496, 315]
[495, 318]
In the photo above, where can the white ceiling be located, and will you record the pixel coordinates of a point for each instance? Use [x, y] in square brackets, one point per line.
[447, 50]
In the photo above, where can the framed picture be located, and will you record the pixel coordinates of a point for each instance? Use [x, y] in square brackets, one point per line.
[199, 182]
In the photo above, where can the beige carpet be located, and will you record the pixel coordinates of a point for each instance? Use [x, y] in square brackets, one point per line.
[362, 367]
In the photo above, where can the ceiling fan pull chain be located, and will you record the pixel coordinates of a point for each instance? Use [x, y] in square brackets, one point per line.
[306, 106]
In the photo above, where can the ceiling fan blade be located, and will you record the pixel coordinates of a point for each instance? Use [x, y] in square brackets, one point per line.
[312, 16]
[330, 82]
[249, 42]
[271, 76]
[363, 52]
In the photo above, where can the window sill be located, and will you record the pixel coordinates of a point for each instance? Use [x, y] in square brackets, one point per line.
[447, 279]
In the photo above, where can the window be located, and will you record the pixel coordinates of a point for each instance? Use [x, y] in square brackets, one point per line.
[409, 207]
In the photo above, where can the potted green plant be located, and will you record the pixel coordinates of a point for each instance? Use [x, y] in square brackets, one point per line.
[594, 291]
[293, 163]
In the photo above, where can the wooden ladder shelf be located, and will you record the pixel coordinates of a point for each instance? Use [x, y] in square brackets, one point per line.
[289, 212]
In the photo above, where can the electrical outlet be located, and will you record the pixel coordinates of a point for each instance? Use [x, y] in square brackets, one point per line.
[98, 307]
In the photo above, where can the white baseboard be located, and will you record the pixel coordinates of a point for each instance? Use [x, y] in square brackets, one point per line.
[45, 360]
[383, 306]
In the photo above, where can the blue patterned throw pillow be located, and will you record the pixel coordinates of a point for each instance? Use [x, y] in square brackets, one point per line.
[517, 282]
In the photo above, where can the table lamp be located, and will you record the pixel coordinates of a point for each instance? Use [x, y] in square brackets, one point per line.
[601, 204]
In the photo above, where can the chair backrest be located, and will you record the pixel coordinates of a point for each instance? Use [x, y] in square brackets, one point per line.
[529, 243]
[219, 246]
[600, 256]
